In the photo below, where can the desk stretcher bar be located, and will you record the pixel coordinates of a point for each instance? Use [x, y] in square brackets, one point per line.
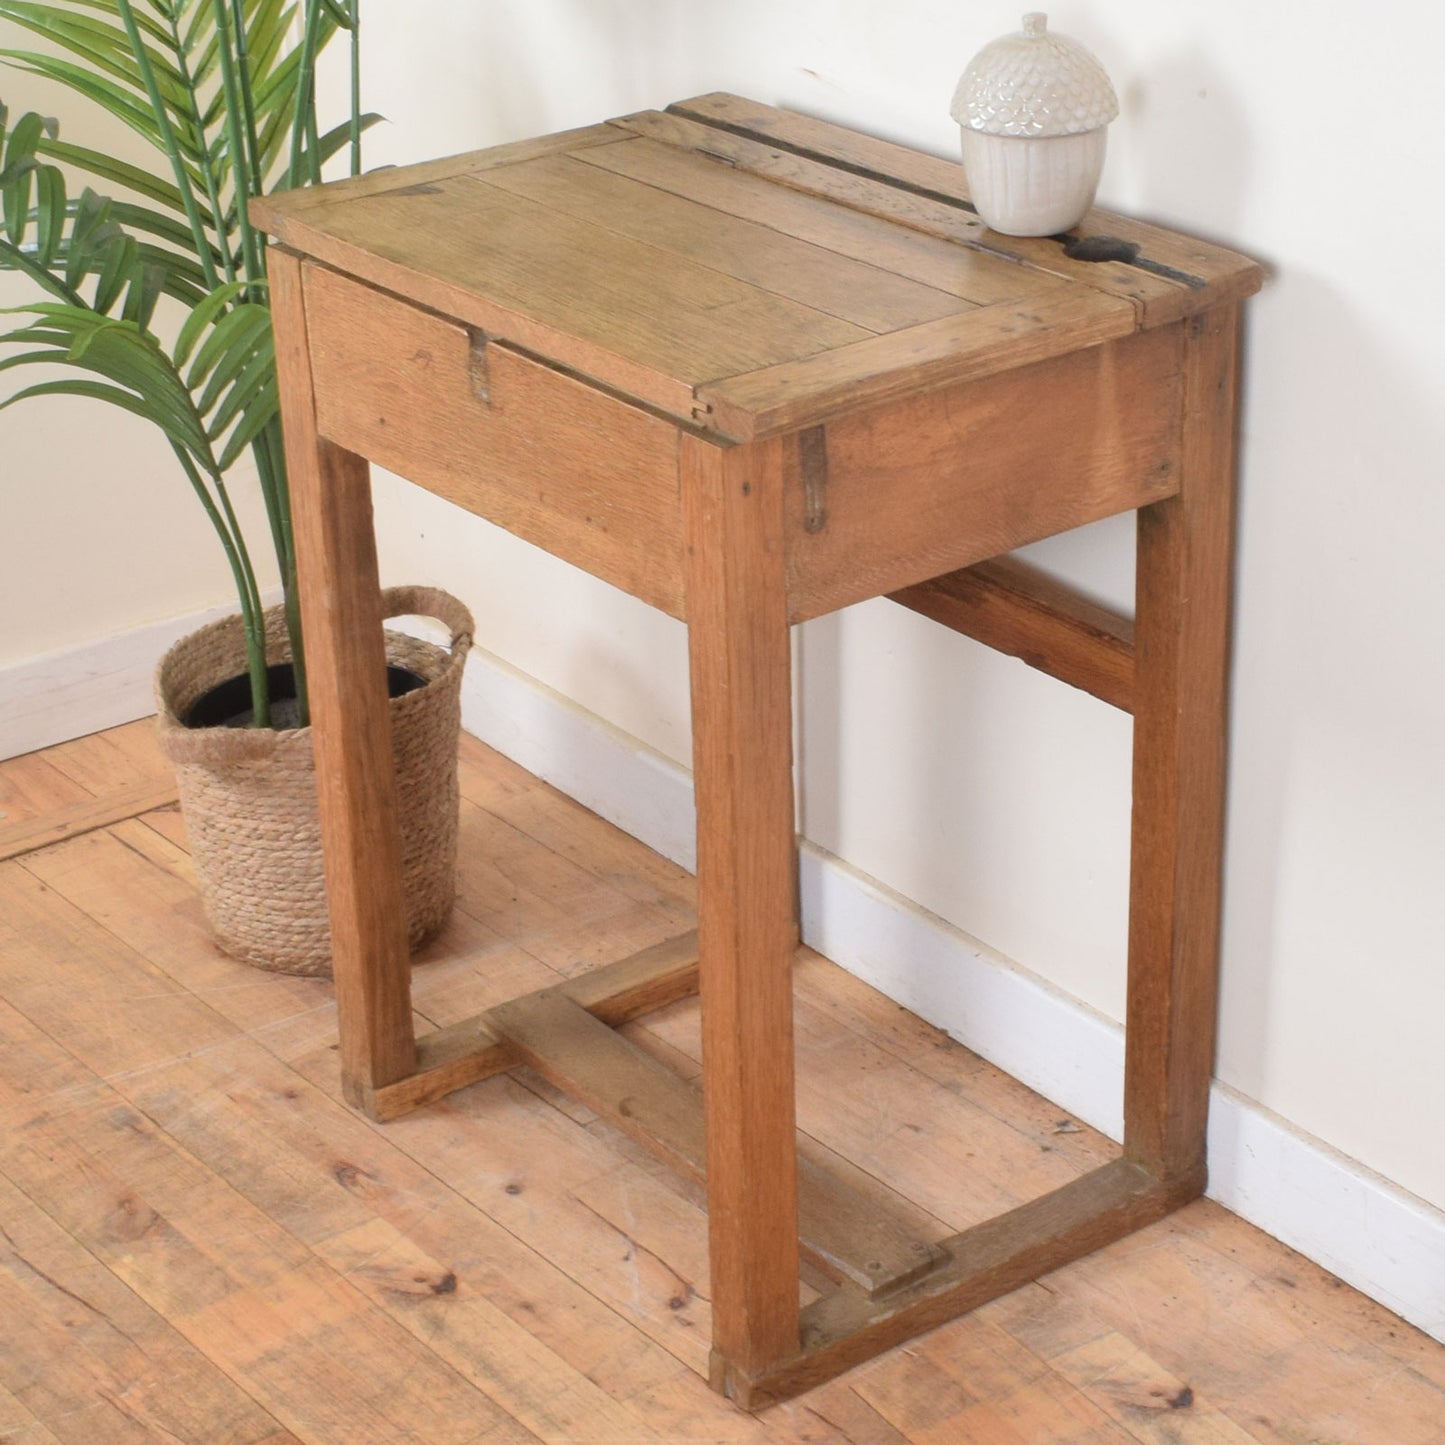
[893, 1284]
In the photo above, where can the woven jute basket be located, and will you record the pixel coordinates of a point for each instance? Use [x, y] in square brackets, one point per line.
[248, 795]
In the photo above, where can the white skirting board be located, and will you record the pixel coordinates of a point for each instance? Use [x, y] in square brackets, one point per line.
[1383, 1241]
[67, 694]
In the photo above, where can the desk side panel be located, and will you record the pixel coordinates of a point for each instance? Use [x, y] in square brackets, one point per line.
[558, 463]
[887, 498]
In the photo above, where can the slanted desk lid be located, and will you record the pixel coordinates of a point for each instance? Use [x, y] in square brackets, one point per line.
[742, 269]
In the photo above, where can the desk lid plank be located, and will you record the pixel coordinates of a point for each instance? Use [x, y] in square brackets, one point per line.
[839, 285]
[644, 303]
[795, 394]
[740, 268]
[905, 204]
[272, 213]
[972, 274]
[1190, 265]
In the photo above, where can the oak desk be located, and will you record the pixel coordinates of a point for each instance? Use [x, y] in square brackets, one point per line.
[751, 367]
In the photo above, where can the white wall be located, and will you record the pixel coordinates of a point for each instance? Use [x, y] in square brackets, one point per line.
[99, 532]
[988, 794]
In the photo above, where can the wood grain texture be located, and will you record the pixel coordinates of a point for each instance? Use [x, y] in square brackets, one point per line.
[843, 1328]
[696, 175]
[375, 248]
[1155, 298]
[648, 301]
[1182, 657]
[91, 1354]
[222, 1227]
[341, 614]
[97, 760]
[472, 1049]
[135, 879]
[77, 818]
[32, 786]
[953, 477]
[277, 212]
[1215, 274]
[853, 290]
[559, 463]
[239, 1286]
[1018, 610]
[906, 363]
[733, 509]
[596, 1066]
[1140, 1394]
[840, 1232]
[984, 1387]
[639, 318]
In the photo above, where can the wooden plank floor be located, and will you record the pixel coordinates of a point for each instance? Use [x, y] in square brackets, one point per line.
[199, 1242]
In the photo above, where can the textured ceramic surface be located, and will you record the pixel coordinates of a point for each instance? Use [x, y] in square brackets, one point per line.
[1033, 108]
[1033, 187]
[1034, 83]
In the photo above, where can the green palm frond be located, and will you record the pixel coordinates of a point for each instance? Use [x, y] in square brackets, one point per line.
[225, 398]
[157, 68]
[62, 244]
[227, 104]
[128, 359]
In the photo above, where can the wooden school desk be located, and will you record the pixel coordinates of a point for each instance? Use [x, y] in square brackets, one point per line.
[750, 368]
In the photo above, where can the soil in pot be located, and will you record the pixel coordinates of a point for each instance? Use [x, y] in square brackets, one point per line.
[228, 704]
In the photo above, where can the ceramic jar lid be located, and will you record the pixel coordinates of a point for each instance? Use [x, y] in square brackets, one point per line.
[1034, 83]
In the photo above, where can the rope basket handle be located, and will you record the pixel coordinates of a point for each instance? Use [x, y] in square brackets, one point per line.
[432, 602]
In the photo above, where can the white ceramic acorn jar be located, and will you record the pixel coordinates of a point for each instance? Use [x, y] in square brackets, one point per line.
[1033, 109]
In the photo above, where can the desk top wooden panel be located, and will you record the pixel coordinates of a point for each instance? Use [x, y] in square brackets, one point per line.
[742, 269]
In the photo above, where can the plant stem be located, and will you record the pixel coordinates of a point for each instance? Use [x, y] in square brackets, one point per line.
[298, 652]
[355, 9]
[305, 92]
[248, 99]
[270, 455]
[246, 590]
[235, 114]
[266, 470]
[171, 146]
[208, 174]
[256, 630]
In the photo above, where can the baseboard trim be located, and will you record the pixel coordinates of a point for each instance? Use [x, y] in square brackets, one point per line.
[582, 755]
[80, 690]
[1373, 1235]
[1383, 1241]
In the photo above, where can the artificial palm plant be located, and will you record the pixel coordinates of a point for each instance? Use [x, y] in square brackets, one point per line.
[225, 93]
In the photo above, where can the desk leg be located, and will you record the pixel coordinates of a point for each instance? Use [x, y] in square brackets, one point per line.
[1181, 641]
[747, 925]
[346, 659]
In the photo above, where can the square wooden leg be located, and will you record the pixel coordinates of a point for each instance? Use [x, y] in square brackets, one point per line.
[1181, 660]
[747, 924]
[341, 616]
